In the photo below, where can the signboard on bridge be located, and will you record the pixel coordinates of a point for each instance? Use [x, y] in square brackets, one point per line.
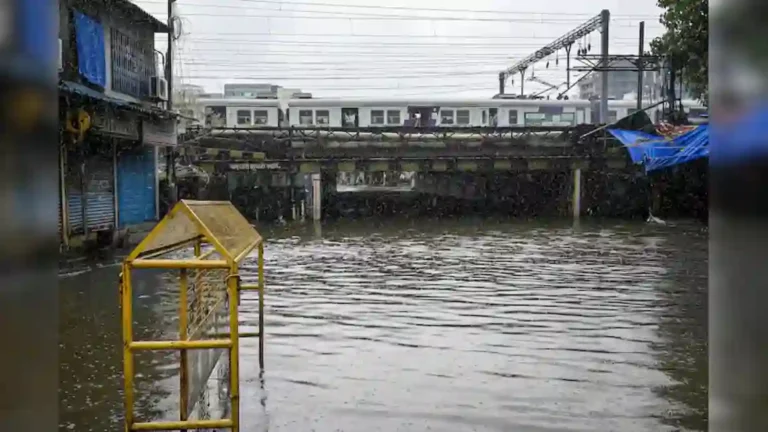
[255, 166]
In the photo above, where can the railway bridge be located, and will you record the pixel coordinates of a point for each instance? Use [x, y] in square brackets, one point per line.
[302, 166]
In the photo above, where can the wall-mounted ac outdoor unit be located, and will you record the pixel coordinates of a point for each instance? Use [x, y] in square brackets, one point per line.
[158, 88]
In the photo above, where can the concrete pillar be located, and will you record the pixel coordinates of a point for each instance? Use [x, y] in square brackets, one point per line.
[576, 198]
[317, 197]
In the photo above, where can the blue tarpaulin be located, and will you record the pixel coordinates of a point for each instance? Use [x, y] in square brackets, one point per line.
[90, 49]
[657, 152]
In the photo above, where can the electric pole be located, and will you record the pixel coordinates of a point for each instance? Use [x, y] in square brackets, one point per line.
[640, 71]
[605, 18]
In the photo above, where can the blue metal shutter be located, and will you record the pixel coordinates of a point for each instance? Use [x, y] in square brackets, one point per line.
[136, 177]
[100, 204]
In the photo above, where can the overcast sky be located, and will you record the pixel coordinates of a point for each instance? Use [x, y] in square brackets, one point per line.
[367, 48]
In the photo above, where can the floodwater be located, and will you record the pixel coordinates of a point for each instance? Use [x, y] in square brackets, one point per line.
[432, 325]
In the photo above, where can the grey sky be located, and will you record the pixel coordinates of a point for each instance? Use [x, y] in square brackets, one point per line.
[367, 48]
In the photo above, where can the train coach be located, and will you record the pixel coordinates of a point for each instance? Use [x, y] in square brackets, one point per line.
[371, 113]
[251, 113]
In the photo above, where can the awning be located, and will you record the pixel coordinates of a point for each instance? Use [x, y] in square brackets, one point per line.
[87, 92]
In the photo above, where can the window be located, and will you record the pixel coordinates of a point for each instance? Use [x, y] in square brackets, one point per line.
[462, 117]
[244, 117]
[132, 64]
[323, 117]
[485, 116]
[512, 117]
[446, 117]
[377, 117]
[393, 117]
[612, 116]
[566, 119]
[305, 117]
[535, 118]
[260, 117]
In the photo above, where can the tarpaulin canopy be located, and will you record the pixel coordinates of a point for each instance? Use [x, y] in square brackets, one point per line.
[657, 152]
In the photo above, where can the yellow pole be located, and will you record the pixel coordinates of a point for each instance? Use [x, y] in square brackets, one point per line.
[183, 322]
[127, 318]
[234, 351]
[261, 305]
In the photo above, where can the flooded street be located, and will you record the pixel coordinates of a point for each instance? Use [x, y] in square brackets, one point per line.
[431, 325]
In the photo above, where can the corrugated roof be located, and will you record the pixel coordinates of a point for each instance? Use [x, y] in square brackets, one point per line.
[82, 90]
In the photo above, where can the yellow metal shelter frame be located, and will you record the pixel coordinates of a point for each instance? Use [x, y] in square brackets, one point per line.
[209, 281]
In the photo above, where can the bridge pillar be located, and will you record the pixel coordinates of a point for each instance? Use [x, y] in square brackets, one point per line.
[316, 197]
[576, 190]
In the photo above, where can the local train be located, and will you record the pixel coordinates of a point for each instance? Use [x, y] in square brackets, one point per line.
[372, 113]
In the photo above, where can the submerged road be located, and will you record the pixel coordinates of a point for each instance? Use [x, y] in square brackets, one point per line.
[432, 325]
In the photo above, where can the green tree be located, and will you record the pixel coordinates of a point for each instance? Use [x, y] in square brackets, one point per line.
[686, 41]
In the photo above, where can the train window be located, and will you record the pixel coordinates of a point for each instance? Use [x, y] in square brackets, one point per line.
[462, 117]
[305, 117]
[323, 117]
[393, 117]
[535, 119]
[244, 117]
[485, 117]
[612, 116]
[512, 117]
[377, 117]
[566, 119]
[446, 117]
[260, 117]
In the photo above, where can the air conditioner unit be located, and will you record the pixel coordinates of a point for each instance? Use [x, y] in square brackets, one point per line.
[61, 56]
[158, 88]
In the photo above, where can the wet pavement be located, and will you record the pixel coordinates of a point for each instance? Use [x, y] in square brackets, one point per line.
[421, 325]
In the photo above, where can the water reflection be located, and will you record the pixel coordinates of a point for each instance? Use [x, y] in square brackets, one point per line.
[453, 325]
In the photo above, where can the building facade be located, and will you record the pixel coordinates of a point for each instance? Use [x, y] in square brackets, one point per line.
[623, 84]
[112, 107]
[263, 91]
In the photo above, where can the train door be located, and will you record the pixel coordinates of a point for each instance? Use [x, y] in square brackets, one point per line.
[423, 116]
[350, 117]
[493, 117]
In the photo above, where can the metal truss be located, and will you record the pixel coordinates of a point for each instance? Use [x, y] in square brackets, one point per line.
[617, 63]
[282, 135]
[423, 164]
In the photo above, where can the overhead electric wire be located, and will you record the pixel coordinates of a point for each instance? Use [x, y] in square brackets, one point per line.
[380, 17]
[403, 36]
[408, 8]
[367, 44]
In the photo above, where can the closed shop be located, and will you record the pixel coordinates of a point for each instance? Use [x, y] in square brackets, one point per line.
[136, 185]
[89, 188]
[100, 191]
[73, 190]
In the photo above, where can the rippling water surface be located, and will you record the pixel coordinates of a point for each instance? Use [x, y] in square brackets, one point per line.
[441, 326]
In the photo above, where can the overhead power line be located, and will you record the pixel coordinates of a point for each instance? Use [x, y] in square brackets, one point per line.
[378, 17]
[401, 8]
[376, 36]
[447, 44]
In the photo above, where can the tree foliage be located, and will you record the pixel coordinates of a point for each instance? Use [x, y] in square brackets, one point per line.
[686, 42]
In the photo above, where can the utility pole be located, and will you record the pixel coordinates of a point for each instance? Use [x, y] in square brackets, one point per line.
[169, 55]
[640, 71]
[605, 18]
[170, 160]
